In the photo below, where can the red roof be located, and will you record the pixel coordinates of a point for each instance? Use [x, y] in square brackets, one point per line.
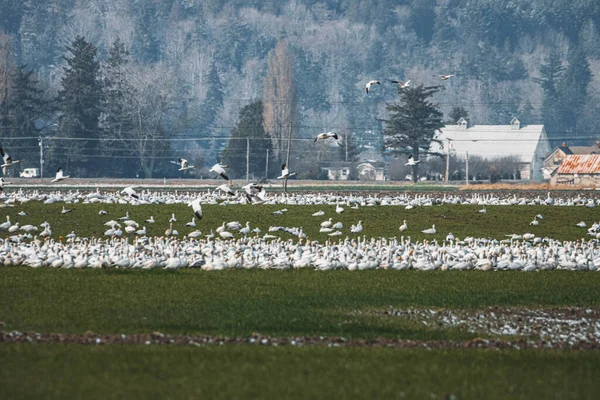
[580, 164]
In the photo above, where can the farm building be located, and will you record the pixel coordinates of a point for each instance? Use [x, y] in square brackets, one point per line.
[338, 170]
[371, 170]
[579, 169]
[556, 156]
[529, 143]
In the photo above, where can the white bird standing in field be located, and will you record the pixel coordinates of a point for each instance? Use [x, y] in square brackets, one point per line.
[403, 227]
[219, 169]
[535, 222]
[184, 164]
[411, 161]
[326, 135]
[370, 83]
[59, 175]
[403, 85]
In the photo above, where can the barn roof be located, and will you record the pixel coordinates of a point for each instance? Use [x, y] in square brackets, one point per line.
[492, 141]
[580, 164]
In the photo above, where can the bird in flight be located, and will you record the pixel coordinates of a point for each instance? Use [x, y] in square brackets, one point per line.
[59, 175]
[371, 83]
[8, 161]
[184, 164]
[219, 169]
[197, 208]
[445, 77]
[411, 161]
[402, 85]
[131, 192]
[326, 135]
[254, 191]
[285, 172]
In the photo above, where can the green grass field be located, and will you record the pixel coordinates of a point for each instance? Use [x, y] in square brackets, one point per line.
[378, 221]
[237, 303]
[239, 372]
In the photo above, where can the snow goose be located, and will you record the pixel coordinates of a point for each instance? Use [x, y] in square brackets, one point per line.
[226, 189]
[326, 224]
[339, 209]
[318, 213]
[102, 212]
[254, 191]
[8, 161]
[430, 230]
[403, 227]
[192, 223]
[371, 83]
[285, 172]
[130, 191]
[65, 210]
[219, 169]
[5, 225]
[411, 161]
[535, 222]
[197, 208]
[2, 183]
[59, 176]
[356, 228]
[326, 135]
[581, 224]
[183, 163]
[173, 219]
[150, 220]
[445, 77]
[245, 230]
[402, 85]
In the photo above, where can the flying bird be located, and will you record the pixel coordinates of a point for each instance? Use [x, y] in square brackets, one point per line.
[402, 85]
[254, 191]
[184, 164]
[197, 208]
[445, 77]
[285, 172]
[59, 175]
[219, 169]
[411, 161]
[131, 192]
[226, 189]
[326, 135]
[8, 161]
[371, 83]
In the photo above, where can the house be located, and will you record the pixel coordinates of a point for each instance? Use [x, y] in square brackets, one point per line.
[371, 170]
[528, 143]
[556, 156]
[578, 169]
[338, 170]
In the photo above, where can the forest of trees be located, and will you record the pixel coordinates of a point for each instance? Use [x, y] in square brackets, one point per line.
[121, 87]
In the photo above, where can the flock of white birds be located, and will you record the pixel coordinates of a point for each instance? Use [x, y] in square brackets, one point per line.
[126, 244]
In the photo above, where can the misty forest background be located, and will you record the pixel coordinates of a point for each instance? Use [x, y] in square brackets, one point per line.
[121, 87]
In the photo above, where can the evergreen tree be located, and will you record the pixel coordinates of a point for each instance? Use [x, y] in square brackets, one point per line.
[249, 125]
[574, 93]
[348, 148]
[24, 107]
[116, 120]
[80, 105]
[213, 103]
[413, 123]
[457, 113]
[551, 73]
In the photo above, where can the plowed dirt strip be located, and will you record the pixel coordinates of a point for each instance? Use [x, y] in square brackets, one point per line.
[156, 338]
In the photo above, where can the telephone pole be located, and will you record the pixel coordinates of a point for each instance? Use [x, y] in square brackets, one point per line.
[247, 157]
[287, 158]
[467, 166]
[41, 143]
[447, 162]
[267, 165]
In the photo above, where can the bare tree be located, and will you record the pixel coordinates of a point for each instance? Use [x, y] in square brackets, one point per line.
[279, 97]
[6, 66]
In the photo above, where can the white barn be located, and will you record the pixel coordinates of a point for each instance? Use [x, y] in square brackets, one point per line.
[529, 143]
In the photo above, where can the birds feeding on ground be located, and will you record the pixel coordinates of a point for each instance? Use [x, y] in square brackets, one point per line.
[219, 169]
[59, 175]
[326, 135]
[370, 83]
[402, 85]
[412, 161]
[184, 164]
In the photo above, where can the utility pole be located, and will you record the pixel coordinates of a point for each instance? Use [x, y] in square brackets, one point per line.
[346, 145]
[287, 158]
[247, 157]
[267, 165]
[447, 162]
[41, 143]
[467, 166]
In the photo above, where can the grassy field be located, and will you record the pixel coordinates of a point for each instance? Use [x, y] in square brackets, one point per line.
[277, 303]
[143, 372]
[378, 221]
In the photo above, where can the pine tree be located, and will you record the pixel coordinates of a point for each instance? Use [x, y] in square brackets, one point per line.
[574, 92]
[413, 123]
[212, 105]
[457, 113]
[80, 104]
[551, 73]
[249, 125]
[24, 107]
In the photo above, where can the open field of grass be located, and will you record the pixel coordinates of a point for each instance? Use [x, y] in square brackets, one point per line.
[276, 303]
[378, 221]
[143, 372]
